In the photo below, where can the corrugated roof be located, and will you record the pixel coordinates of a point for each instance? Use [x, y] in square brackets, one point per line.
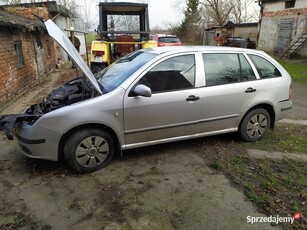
[10, 20]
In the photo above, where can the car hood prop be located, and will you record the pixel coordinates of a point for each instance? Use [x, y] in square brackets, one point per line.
[57, 34]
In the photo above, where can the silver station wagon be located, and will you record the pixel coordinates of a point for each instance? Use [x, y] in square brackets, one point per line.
[153, 96]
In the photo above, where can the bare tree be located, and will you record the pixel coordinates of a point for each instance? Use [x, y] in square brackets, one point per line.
[126, 22]
[216, 12]
[11, 2]
[88, 11]
[71, 5]
[243, 11]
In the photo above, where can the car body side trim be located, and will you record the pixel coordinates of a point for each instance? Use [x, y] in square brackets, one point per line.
[161, 127]
[219, 118]
[180, 124]
[173, 139]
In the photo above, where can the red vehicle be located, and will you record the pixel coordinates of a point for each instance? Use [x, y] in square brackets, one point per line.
[166, 40]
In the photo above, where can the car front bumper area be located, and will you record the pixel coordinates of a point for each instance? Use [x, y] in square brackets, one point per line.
[38, 142]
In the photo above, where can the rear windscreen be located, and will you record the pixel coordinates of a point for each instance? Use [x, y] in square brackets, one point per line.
[168, 39]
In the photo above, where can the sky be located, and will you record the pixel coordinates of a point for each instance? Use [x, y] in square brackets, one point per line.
[162, 13]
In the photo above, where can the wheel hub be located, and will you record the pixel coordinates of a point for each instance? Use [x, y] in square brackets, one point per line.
[92, 151]
[256, 126]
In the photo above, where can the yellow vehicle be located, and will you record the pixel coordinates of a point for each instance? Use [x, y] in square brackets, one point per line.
[123, 28]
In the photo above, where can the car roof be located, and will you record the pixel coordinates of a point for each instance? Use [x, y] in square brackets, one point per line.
[182, 49]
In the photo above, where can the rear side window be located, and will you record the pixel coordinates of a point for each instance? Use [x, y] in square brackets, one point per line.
[224, 69]
[265, 68]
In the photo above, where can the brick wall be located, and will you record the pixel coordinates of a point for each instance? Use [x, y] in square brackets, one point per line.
[16, 79]
[28, 11]
[286, 12]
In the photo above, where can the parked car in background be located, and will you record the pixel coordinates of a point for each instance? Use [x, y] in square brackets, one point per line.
[153, 96]
[166, 40]
[240, 42]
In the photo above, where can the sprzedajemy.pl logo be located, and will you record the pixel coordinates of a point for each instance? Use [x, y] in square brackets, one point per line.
[273, 219]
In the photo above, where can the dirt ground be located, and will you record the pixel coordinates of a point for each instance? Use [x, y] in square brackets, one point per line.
[167, 186]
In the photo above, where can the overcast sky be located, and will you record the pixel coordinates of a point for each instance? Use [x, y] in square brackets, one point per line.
[162, 13]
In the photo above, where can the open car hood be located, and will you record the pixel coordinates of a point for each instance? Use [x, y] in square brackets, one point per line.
[57, 34]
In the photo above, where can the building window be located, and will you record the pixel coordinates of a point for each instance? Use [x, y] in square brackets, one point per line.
[289, 4]
[18, 50]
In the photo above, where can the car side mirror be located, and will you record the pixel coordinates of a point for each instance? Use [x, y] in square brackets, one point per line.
[142, 90]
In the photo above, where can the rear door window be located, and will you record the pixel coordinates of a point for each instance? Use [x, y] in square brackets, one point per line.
[221, 69]
[247, 72]
[265, 68]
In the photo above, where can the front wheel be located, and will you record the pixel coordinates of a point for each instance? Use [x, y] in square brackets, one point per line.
[88, 150]
[255, 125]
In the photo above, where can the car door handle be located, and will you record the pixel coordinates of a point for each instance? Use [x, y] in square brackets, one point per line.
[192, 98]
[250, 90]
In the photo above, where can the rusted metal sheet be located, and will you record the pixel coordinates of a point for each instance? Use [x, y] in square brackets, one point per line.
[14, 21]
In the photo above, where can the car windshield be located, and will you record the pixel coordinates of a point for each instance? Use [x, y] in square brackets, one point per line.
[112, 76]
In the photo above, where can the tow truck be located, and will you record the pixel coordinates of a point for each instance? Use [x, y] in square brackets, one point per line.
[114, 38]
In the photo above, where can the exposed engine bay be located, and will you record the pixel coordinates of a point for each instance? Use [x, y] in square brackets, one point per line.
[71, 92]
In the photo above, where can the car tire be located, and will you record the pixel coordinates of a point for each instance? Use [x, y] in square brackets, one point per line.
[89, 150]
[255, 125]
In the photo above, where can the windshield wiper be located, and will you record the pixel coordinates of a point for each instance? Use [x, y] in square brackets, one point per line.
[102, 88]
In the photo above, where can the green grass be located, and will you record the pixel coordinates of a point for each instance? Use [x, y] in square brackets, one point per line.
[277, 187]
[284, 138]
[216, 165]
[296, 68]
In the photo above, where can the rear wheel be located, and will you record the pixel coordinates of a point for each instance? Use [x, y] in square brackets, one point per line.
[255, 125]
[88, 150]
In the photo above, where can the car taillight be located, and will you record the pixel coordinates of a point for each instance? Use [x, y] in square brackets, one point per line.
[290, 91]
[98, 53]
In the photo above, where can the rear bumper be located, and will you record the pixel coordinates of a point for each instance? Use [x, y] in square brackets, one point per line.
[282, 108]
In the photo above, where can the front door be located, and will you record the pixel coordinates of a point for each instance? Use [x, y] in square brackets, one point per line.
[171, 111]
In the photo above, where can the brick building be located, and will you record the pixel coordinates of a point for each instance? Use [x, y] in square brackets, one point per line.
[61, 16]
[27, 54]
[282, 26]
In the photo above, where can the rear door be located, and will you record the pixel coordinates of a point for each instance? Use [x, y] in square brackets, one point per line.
[231, 88]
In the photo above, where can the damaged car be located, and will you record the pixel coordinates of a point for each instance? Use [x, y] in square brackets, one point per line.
[152, 96]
